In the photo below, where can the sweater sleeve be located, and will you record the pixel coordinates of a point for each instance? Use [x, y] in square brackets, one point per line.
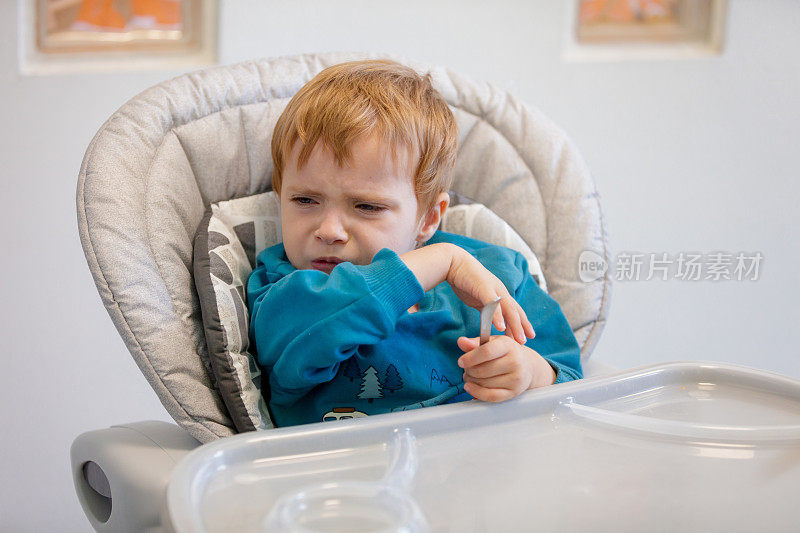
[554, 339]
[304, 323]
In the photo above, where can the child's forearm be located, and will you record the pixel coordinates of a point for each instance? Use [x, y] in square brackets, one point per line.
[472, 283]
[431, 263]
[324, 319]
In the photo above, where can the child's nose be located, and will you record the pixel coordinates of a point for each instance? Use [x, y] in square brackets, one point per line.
[331, 230]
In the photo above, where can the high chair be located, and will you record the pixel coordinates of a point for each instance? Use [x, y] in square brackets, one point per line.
[145, 187]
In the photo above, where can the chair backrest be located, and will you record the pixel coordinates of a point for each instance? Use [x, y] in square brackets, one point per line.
[164, 156]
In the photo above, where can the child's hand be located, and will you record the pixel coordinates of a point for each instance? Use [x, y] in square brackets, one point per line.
[476, 286]
[501, 369]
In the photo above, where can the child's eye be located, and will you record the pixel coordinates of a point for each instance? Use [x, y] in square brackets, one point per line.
[369, 208]
[303, 200]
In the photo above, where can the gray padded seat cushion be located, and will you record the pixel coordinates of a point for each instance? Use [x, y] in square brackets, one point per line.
[155, 166]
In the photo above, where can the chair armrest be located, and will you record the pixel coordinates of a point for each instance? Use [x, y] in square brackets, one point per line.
[129, 464]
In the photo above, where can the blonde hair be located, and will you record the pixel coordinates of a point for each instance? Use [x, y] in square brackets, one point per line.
[348, 100]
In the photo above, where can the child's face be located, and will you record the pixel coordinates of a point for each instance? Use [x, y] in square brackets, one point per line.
[331, 214]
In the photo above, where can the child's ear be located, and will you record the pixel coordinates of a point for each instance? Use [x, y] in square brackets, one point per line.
[430, 221]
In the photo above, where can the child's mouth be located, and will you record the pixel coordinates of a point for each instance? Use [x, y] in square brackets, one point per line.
[326, 264]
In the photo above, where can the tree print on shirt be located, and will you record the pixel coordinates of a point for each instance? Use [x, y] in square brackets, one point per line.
[370, 385]
[350, 369]
[392, 381]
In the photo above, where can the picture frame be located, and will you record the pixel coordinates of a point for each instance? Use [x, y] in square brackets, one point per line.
[620, 30]
[60, 36]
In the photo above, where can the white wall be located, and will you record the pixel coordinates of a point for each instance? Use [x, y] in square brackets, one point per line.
[691, 155]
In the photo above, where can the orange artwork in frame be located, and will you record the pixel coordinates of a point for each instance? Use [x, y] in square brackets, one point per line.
[68, 26]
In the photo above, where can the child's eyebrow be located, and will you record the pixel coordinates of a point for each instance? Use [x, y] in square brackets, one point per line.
[372, 199]
[369, 198]
[297, 190]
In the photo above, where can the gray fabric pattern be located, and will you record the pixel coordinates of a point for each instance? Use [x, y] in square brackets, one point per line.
[156, 165]
[221, 268]
[224, 378]
[215, 240]
[247, 236]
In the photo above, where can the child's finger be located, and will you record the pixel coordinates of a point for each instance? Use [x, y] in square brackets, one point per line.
[518, 330]
[490, 369]
[529, 328]
[496, 347]
[486, 394]
[512, 312]
[503, 381]
[512, 381]
[498, 320]
[525, 324]
[468, 343]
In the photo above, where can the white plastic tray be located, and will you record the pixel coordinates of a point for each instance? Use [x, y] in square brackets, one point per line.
[679, 446]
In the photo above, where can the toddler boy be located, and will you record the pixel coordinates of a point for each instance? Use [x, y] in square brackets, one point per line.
[350, 314]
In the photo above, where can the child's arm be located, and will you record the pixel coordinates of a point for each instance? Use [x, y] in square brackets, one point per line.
[500, 369]
[305, 322]
[475, 285]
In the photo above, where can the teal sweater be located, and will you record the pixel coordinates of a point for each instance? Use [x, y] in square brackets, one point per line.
[344, 345]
